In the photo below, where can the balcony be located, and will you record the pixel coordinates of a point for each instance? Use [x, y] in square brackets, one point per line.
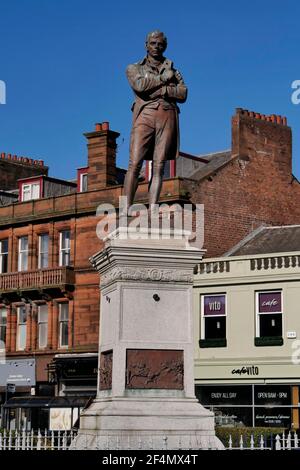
[36, 280]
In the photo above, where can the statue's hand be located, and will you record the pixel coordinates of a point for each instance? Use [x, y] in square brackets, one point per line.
[178, 76]
[167, 75]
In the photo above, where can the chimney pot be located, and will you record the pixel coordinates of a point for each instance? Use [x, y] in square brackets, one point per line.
[9, 156]
[105, 126]
[284, 121]
[2, 155]
[98, 126]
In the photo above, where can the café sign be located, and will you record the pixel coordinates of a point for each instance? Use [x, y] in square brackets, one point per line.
[246, 370]
[269, 302]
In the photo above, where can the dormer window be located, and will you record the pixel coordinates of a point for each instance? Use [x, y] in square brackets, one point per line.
[42, 186]
[83, 182]
[30, 191]
[169, 170]
[82, 179]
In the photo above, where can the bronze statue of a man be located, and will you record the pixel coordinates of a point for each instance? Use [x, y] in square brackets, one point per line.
[158, 87]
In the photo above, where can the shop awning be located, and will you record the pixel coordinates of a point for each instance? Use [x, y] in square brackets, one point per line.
[46, 402]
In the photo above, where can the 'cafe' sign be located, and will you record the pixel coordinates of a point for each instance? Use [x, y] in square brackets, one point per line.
[269, 302]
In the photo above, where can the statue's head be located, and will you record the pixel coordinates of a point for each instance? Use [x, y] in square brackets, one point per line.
[156, 43]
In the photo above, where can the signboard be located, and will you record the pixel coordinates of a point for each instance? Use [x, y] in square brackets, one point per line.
[273, 417]
[248, 405]
[214, 305]
[269, 302]
[275, 395]
[20, 372]
[224, 395]
[244, 372]
[86, 368]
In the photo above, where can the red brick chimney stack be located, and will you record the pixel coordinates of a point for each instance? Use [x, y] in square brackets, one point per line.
[256, 135]
[102, 147]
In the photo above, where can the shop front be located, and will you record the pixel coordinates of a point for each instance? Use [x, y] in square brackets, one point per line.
[51, 413]
[46, 392]
[17, 377]
[74, 374]
[252, 405]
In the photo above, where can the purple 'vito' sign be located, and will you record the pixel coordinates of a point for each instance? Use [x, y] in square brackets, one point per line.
[269, 302]
[214, 305]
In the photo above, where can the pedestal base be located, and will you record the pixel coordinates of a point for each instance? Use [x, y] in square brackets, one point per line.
[146, 423]
[146, 397]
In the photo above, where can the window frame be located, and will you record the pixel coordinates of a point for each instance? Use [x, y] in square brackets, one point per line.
[60, 323]
[3, 254]
[64, 250]
[22, 252]
[30, 191]
[172, 170]
[40, 323]
[257, 313]
[18, 348]
[43, 253]
[202, 326]
[81, 182]
[3, 324]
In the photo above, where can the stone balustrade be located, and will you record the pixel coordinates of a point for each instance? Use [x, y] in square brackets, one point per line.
[27, 280]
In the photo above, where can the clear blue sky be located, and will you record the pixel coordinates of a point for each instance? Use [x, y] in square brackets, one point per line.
[64, 64]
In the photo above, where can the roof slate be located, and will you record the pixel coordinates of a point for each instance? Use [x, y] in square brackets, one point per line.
[269, 240]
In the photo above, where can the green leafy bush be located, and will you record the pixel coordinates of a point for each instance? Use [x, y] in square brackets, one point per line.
[224, 433]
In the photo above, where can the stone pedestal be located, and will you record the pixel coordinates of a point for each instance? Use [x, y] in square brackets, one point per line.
[145, 396]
